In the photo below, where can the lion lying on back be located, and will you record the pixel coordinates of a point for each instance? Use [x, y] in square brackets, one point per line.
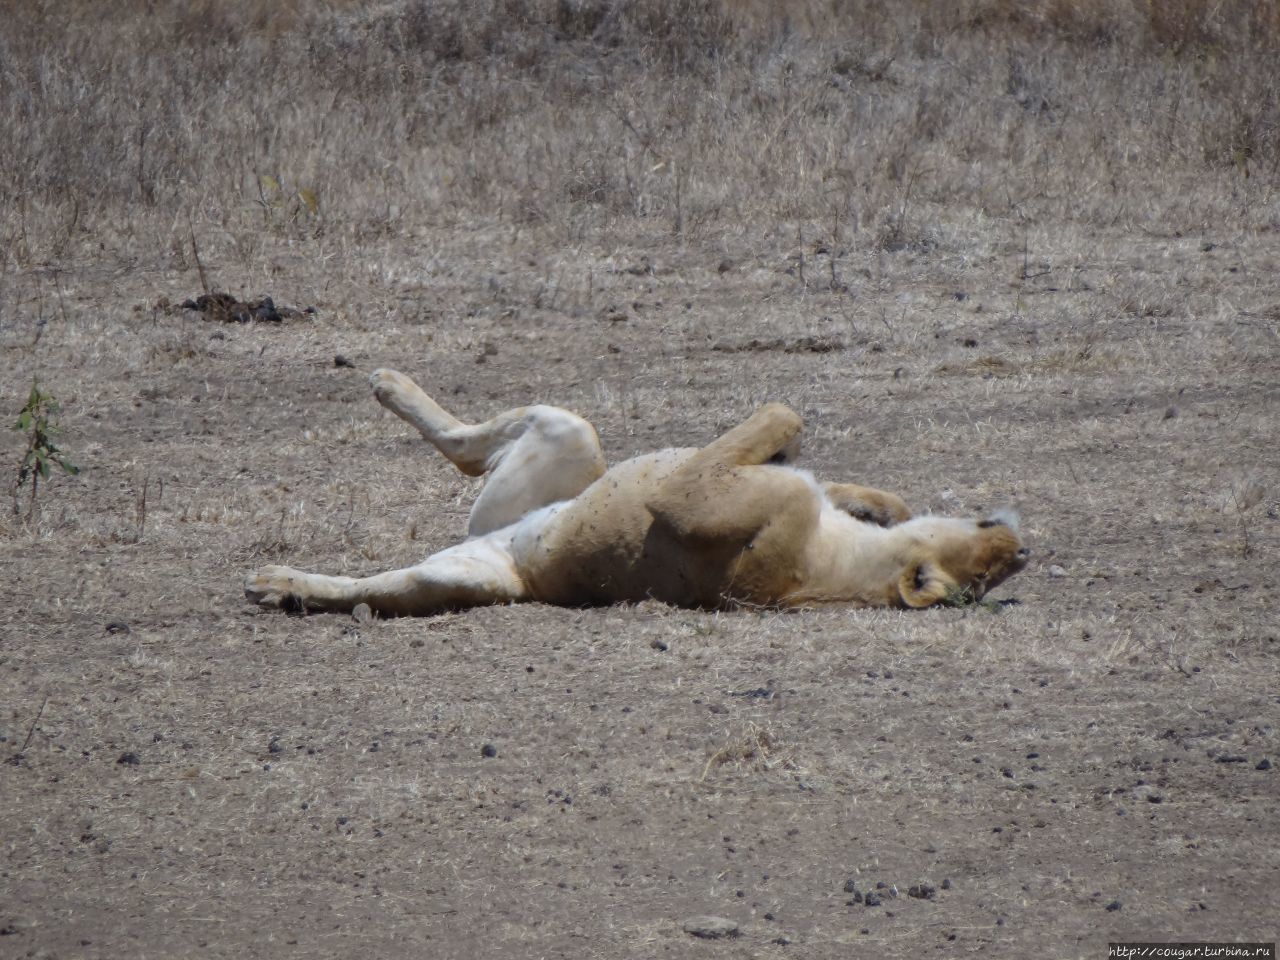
[716, 527]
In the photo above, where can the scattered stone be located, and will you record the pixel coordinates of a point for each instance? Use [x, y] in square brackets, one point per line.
[1113, 906]
[117, 626]
[780, 941]
[872, 900]
[129, 759]
[1170, 413]
[710, 928]
[340, 361]
[1230, 758]
[362, 614]
[274, 746]
[1148, 793]
[1263, 764]
[1056, 572]
[659, 645]
[488, 750]
[922, 891]
[851, 886]
[946, 884]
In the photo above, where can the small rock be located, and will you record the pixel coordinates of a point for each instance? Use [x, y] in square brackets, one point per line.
[660, 645]
[851, 886]
[362, 613]
[117, 626]
[488, 750]
[274, 746]
[129, 759]
[872, 900]
[1056, 572]
[922, 891]
[1144, 791]
[1263, 764]
[710, 928]
[946, 884]
[1113, 906]
[1170, 413]
[340, 361]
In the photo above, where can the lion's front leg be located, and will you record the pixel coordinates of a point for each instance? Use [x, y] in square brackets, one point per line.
[868, 504]
[476, 573]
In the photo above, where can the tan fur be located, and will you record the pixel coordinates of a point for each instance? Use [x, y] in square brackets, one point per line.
[714, 527]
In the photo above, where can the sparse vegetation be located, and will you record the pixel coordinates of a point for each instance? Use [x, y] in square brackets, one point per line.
[37, 423]
[991, 250]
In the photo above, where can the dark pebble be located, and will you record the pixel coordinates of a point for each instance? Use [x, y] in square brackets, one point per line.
[1263, 764]
[1230, 758]
[274, 746]
[129, 759]
[922, 891]
[851, 886]
[341, 361]
[946, 884]
[872, 900]
[657, 644]
[117, 626]
[488, 750]
[781, 941]
[1113, 906]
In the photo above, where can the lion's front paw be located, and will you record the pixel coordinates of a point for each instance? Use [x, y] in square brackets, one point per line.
[882, 509]
[275, 586]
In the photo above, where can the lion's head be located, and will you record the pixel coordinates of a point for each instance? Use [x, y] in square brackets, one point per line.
[959, 558]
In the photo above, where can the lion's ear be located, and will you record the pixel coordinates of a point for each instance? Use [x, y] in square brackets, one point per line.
[1004, 516]
[922, 584]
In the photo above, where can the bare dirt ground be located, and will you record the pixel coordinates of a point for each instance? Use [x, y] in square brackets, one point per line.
[1092, 760]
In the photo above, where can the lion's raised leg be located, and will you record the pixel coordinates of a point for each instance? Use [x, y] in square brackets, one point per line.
[472, 574]
[727, 491]
[534, 456]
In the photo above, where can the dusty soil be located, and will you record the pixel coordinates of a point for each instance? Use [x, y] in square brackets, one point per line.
[989, 263]
[1093, 760]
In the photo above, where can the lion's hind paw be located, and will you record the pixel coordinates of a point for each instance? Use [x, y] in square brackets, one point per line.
[275, 586]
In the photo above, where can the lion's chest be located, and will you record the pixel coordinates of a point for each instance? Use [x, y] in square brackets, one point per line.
[603, 546]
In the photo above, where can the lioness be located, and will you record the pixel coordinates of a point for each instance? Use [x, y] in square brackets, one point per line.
[722, 526]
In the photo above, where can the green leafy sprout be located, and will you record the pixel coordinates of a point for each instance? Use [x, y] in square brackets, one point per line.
[37, 423]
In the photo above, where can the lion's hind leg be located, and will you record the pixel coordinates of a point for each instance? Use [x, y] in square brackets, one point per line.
[534, 456]
[475, 573]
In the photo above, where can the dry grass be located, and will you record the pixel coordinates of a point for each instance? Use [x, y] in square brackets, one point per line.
[992, 251]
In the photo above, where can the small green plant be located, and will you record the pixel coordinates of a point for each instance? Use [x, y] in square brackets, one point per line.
[37, 423]
[964, 598]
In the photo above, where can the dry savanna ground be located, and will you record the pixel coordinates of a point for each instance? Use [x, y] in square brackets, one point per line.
[993, 252]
